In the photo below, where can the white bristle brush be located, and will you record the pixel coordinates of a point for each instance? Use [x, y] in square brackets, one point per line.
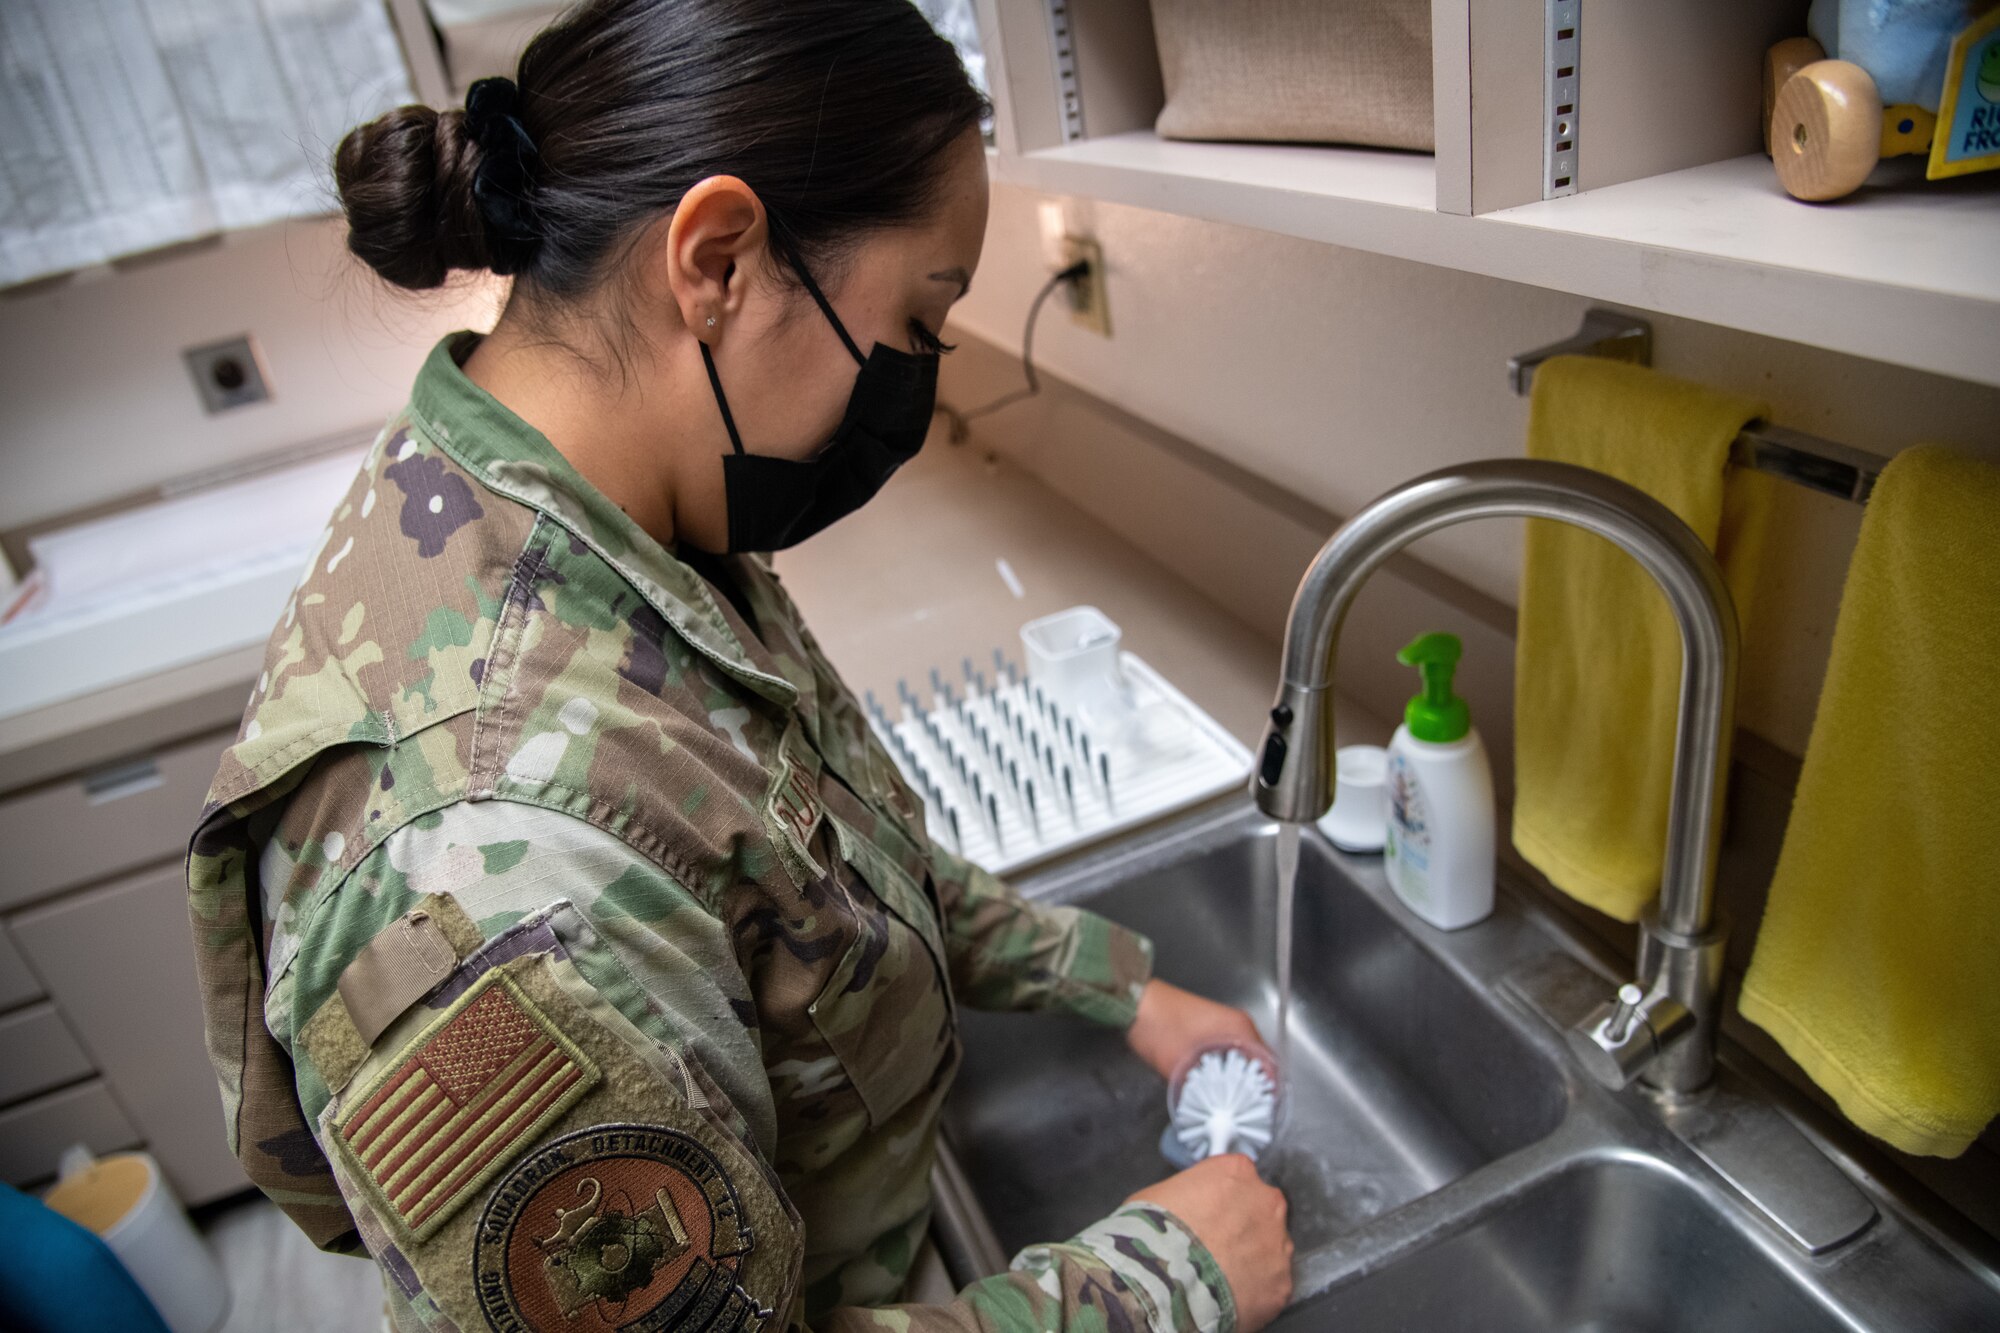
[1227, 1104]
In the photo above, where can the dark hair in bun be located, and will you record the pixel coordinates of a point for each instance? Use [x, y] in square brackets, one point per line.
[837, 113]
[405, 182]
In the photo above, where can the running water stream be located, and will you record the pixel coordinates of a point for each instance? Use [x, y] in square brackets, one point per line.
[1288, 877]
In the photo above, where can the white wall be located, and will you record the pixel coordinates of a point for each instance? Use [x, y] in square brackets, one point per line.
[1337, 374]
[1332, 373]
[95, 401]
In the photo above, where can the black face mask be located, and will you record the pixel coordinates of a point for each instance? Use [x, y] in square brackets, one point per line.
[779, 502]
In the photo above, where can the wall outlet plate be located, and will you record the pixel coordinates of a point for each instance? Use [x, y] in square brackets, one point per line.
[1088, 303]
[1055, 232]
[228, 374]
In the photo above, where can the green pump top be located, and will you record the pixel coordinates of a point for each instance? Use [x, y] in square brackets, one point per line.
[1437, 714]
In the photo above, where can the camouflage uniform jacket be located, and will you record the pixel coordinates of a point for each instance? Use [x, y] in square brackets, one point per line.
[571, 945]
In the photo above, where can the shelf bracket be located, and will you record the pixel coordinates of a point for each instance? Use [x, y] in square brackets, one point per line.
[1562, 51]
[1069, 94]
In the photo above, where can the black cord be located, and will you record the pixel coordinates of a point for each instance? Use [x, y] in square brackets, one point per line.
[959, 419]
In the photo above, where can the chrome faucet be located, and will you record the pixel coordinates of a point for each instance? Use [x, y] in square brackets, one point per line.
[1663, 1027]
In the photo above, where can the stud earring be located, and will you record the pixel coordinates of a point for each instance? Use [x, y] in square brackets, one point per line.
[711, 321]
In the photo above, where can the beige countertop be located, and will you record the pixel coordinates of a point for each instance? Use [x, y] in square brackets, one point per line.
[912, 581]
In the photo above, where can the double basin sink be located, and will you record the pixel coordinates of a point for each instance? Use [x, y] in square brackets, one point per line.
[1446, 1163]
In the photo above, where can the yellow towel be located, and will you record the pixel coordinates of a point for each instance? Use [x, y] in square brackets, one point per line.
[1598, 657]
[1878, 964]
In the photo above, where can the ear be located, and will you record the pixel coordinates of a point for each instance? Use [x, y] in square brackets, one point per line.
[717, 231]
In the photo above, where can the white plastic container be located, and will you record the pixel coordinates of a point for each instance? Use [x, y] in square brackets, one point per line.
[1439, 851]
[128, 1203]
[1359, 820]
[1073, 656]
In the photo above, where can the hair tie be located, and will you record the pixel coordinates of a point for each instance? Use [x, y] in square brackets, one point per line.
[502, 181]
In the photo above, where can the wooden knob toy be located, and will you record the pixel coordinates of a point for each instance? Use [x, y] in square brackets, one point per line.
[1825, 122]
[1826, 130]
[1780, 63]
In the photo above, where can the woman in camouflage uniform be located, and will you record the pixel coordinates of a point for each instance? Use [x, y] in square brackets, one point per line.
[569, 944]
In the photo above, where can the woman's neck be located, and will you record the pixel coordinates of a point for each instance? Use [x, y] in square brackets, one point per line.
[610, 430]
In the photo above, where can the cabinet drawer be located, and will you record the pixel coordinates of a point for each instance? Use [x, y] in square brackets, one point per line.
[119, 960]
[37, 1053]
[115, 818]
[33, 1134]
[17, 983]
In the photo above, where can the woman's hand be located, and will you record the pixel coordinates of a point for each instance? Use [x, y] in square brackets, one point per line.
[1173, 1022]
[1242, 1222]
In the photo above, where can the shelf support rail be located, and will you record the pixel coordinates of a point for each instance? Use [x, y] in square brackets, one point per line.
[1806, 460]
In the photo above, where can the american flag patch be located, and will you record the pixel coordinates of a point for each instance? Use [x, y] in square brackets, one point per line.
[481, 1083]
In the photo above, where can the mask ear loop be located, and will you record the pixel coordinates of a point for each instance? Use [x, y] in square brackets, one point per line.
[826, 307]
[715, 383]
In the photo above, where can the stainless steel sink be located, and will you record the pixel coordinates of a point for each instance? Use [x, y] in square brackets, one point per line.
[1447, 1163]
[1399, 1078]
[1596, 1249]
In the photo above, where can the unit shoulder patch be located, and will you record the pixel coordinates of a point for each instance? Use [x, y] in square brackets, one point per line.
[629, 1227]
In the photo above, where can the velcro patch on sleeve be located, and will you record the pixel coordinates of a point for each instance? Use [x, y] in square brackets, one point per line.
[478, 1086]
[407, 960]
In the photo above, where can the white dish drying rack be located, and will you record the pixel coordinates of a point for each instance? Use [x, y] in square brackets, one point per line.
[1011, 777]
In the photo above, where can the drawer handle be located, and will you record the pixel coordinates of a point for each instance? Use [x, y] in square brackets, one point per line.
[122, 780]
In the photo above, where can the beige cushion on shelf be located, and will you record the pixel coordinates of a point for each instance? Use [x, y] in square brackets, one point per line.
[1314, 71]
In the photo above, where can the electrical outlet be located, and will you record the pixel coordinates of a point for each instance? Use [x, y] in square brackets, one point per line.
[228, 374]
[1055, 232]
[1088, 303]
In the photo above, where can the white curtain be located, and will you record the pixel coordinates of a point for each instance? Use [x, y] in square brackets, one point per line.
[126, 125]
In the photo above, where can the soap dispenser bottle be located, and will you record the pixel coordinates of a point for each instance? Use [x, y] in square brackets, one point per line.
[1439, 851]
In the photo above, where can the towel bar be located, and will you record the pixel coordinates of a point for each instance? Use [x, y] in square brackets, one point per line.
[1820, 465]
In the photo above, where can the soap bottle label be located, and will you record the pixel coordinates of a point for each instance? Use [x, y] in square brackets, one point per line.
[1408, 852]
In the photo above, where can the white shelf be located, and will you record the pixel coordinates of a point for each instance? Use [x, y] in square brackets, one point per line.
[1360, 197]
[1903, 273]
